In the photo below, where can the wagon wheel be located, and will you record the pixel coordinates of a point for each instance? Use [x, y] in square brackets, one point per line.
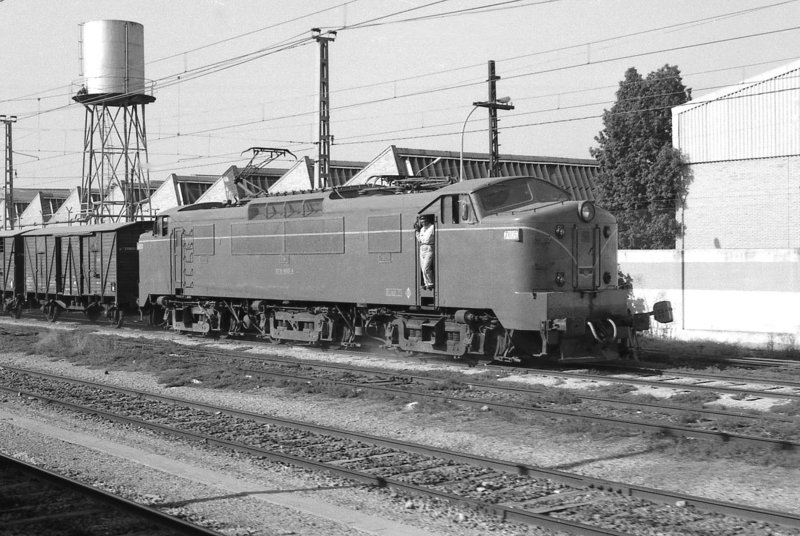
[92, 312]
[116, 317]
[51, 312]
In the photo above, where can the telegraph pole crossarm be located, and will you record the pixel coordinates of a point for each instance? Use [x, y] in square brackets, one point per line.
[494, 104]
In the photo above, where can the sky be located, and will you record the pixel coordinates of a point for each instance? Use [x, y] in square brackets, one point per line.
[233, 74]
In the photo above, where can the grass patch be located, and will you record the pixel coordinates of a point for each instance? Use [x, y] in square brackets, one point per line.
[614, 390]
[790, 409]
[687, 349]
[700, 450]
[693, 398]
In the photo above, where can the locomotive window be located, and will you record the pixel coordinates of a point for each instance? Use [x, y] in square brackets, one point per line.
[274, 210]
[449, 210]
[465, 209]
[256, 211]
[457, 209]
[517, 193]
[312, 207]
[294, 209]
[164, 225]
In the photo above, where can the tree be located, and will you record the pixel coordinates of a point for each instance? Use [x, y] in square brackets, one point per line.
[642, 177]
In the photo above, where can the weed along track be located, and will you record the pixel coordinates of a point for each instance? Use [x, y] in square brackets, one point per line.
[509, 491]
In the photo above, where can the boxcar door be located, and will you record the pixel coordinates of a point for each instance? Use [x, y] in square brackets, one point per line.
[108, 258]
[71, 276]
[94, 265]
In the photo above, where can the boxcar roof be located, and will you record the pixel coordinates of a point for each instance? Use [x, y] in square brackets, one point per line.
[78, 230]
[12, 232]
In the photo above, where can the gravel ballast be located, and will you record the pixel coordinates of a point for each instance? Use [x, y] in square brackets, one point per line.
[275, 499]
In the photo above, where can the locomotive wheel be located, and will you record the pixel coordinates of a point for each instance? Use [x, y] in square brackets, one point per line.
[156, 316]
[225, 324]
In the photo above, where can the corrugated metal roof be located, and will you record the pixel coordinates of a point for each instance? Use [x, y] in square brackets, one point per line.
[758, 118]
[575, 175]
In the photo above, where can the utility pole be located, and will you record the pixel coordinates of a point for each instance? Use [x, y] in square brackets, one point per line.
[494, 104]
[8, 185]
[323, 168]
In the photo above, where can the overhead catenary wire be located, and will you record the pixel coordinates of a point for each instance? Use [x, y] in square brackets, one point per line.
[211, 68]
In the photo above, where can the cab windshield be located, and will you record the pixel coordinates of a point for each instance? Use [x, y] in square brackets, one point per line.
[516, 193]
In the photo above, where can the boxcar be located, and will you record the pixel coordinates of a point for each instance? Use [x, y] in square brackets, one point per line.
[89, 268]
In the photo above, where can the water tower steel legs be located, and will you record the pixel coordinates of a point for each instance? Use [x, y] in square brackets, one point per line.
[115, 140]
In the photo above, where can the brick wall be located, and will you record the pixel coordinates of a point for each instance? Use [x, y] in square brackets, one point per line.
[743, 204]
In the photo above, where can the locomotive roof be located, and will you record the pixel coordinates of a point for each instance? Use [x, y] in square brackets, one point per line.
[336, 194]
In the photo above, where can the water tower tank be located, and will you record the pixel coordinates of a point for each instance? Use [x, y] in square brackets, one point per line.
[113, 57]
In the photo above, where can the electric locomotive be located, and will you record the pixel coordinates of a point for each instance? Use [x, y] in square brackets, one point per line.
[520, 270]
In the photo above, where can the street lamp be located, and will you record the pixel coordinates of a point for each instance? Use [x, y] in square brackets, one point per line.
[503, 103]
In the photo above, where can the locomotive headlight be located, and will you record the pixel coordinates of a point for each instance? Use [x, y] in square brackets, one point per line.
[560, 280]
[586, 211]
[559, 232]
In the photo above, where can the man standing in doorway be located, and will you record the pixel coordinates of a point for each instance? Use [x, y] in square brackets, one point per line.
[426, 240]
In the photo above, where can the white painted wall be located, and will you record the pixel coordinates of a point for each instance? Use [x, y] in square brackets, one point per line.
[746, 296]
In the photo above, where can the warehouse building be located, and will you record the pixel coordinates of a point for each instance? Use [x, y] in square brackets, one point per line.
[742, 147]
[735, 276]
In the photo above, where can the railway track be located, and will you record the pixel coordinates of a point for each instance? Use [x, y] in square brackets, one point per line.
[36, 501]
[509, 490]
[762, 430]
[662, 418]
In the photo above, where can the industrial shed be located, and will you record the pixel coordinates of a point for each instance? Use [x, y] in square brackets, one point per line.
[574, 175]
[179, 190]
[742, 146]
[33, 206]
[261, 179]
[70, 211]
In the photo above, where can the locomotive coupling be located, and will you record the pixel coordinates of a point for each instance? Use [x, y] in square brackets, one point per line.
[605, 331]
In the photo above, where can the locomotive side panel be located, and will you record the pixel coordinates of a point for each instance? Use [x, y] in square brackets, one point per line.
[341, 258]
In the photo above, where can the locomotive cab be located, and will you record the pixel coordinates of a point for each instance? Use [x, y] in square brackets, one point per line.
[521, 251]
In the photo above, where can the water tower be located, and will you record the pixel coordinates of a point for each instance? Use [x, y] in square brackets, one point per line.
[115, 184]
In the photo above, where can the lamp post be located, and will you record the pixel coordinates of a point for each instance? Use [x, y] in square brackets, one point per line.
[503, 103]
